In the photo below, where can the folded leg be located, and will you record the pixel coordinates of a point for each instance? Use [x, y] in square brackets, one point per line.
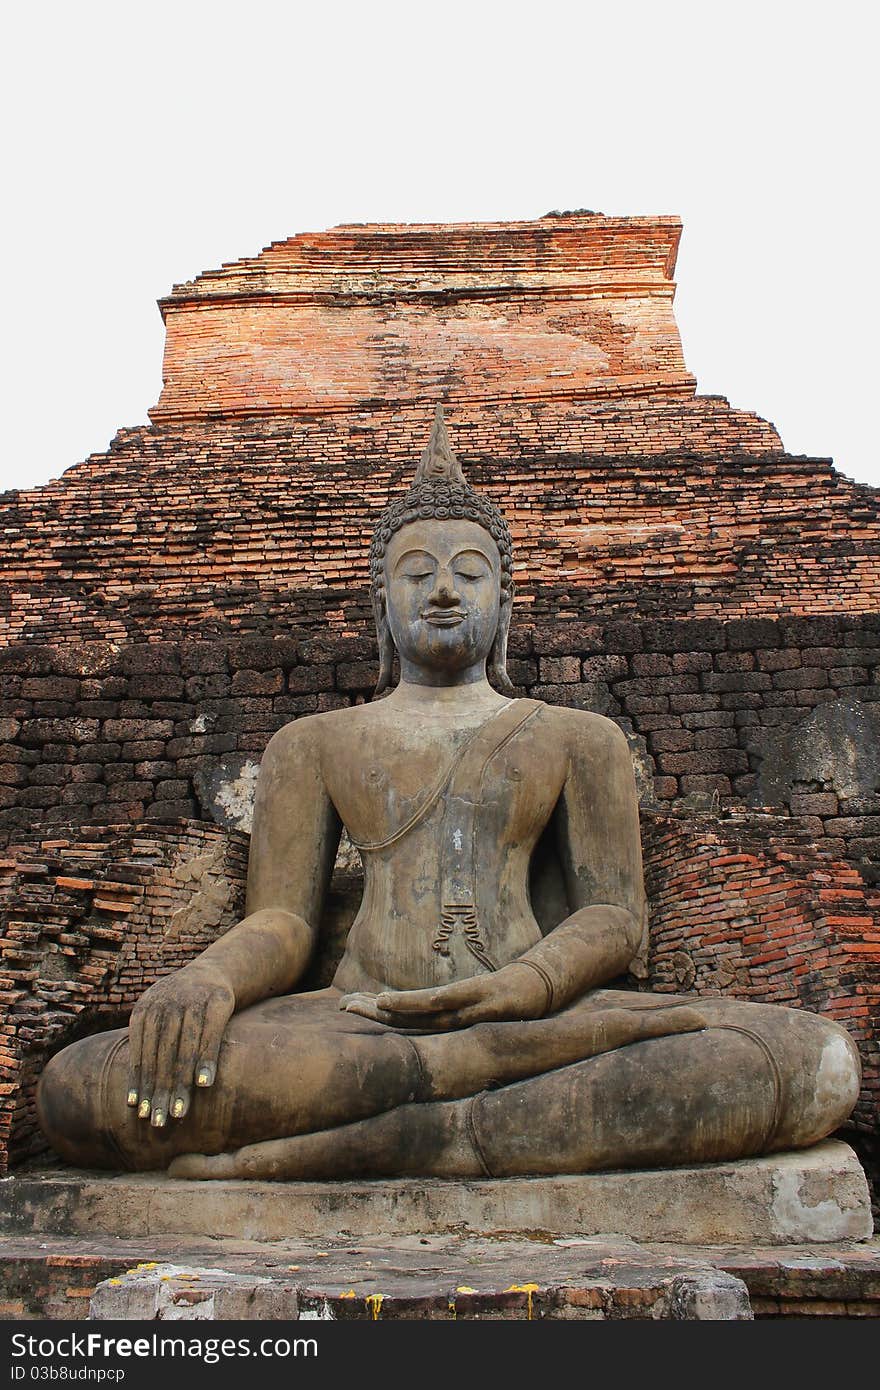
[759, 1079]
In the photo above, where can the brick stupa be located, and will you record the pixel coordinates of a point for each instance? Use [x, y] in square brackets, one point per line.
[165, 606]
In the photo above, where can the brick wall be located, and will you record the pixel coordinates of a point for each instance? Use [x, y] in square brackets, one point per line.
[718, 711]
[748, 906]
[92, 916]
[647, 510]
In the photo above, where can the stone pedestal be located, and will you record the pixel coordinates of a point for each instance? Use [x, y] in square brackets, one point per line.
[818, 1195]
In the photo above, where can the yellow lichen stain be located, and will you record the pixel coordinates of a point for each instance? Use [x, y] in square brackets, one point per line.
[465, 1288]
[529, 1289]
[453, 1311]
[114, 1281]
[294, 1267]
[349, 1293]
[374, 1302]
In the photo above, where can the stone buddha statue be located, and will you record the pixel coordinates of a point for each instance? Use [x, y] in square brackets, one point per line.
[470, 1028]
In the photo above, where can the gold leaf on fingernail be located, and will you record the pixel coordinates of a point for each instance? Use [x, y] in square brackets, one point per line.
[177, 1109]
[143, 1109]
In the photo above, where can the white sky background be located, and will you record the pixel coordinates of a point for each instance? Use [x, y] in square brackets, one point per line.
[148, 142]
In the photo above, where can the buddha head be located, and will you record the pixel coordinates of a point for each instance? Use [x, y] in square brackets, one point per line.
[441, 575]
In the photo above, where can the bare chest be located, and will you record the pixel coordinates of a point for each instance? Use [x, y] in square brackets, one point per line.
[391, 780]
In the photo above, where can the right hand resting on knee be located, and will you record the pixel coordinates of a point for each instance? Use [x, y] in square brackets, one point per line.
[175, 1033]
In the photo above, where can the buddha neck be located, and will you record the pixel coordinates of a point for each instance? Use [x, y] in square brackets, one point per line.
[472, 699]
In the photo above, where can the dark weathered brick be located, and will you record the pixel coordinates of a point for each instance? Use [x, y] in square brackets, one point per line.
[652, 664]
[126, 730]
[746, 634]
[311, 680]
[736, 680]
[258, 682]
[553, 670]
[144, 658]
[155, 686]
[262, 653]
[49, 688]
[807, 678]
[356, 675]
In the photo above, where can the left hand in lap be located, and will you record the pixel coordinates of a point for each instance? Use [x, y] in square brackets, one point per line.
[514, 992]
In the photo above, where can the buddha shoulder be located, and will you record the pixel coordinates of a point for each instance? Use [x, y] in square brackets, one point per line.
[585, 734]
[308, 738]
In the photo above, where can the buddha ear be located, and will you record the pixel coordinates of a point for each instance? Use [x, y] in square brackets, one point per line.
[496, 666]
[386, 644]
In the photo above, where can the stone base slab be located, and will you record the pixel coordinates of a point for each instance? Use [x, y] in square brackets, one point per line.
[814, 1196]
[433, 1277]
[481, 1279]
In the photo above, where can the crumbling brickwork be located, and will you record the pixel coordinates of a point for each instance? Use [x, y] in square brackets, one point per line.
[749, 906]
[87, 923]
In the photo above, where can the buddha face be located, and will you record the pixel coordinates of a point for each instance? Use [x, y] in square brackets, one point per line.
[443, 596]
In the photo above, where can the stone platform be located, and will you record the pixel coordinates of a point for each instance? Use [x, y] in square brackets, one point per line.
[432, 1277]
[817, 1195]
[788, 1235]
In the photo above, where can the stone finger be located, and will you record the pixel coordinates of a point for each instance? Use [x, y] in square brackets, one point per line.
[426, 1001]
[135, 1045]
[213, 1027]
[166, 1060]
[187, 1054]
[350, 1003]
[152, 1027]
[368, 1008]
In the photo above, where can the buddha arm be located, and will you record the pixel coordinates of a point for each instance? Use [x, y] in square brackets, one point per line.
[597, 828]
[293, 846]
[177, 1027]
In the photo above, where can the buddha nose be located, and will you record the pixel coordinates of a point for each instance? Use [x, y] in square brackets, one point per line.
[444, 594]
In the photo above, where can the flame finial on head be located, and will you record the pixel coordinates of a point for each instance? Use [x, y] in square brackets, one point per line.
[438, 461]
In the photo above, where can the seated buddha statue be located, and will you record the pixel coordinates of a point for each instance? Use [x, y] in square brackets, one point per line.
[473, 1026]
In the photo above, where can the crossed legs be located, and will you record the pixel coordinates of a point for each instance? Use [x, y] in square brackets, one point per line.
[618, 1080]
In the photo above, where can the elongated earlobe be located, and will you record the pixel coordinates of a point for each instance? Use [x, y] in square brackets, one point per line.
[496, 666]
[386, 645]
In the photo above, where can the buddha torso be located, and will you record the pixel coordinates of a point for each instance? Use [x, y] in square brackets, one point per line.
[440, 902]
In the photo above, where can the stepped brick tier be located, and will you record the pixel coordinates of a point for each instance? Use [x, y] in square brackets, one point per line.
[658, 507]
[167, 605]
[298, 391]
[361, 315]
